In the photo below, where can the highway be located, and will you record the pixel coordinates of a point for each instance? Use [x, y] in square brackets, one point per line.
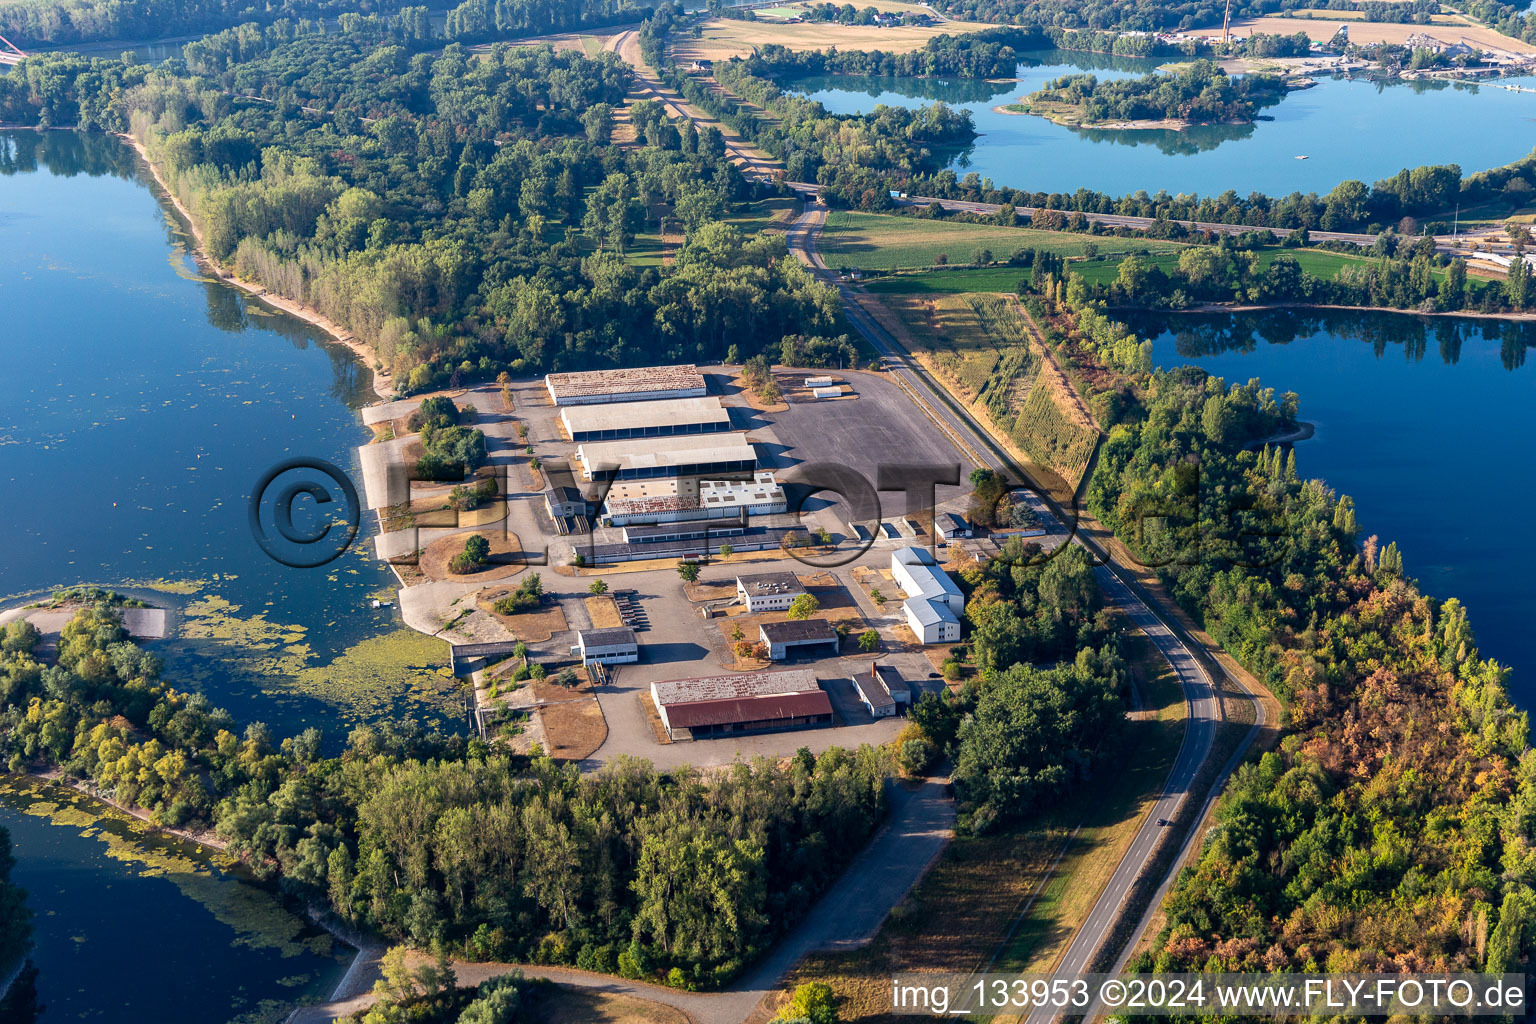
[1200, 699]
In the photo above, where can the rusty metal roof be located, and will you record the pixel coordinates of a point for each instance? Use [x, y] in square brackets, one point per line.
[764, 708]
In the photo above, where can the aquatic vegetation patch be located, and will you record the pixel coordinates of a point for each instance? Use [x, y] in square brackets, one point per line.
[394, 674]
[211, 878]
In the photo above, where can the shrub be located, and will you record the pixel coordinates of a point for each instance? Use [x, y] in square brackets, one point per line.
[804, 606]
[435, 412]
[916, 756]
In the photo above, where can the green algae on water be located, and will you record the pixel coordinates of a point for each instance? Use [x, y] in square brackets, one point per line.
[209, 877]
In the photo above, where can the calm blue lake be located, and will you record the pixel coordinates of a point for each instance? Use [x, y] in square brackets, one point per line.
[132, 928]
[1420, 420]
[142, 404]
[1346, 129]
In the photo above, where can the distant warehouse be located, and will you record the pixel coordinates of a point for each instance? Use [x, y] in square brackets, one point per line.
[642, 458]
[665, 418]
[642, 384]
[741, 703]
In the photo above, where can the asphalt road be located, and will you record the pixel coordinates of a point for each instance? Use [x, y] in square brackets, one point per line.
[1203, 709]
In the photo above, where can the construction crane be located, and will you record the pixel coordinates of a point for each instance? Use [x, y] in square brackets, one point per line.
[1226, 24]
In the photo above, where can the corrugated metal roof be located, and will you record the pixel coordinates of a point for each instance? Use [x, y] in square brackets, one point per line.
[735, 685]
[641, 378]
[765, 708]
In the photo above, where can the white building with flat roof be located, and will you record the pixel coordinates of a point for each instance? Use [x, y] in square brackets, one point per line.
[768, 591]
[934, 600]
[617, 421]
[640, 384]
[642, 458]
[616, 646]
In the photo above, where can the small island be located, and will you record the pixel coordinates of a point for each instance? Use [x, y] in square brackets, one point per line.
[1196, 93]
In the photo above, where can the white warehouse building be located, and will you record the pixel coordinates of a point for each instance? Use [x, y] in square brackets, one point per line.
[934, 601]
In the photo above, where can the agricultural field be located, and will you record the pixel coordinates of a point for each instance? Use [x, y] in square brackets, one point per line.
[722, 38]
[1052, 437]
[1366, 33]
[875, 241]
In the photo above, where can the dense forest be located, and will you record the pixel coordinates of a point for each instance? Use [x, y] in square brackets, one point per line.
[679, 877]
[1198, 92]
[463, 214]
[1392, 829]
[36, 23]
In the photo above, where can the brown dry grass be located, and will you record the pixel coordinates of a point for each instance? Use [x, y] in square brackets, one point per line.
[603, 612]
[506, 557]
[837, 606]
[567, 1005]
[573, 729]
[1368, 32]
[957, 919]
[916, 321]
[529, 627]
[723, 39]
[648, 708]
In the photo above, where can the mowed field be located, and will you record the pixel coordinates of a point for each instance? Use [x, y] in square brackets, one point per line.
[1367, 32]
[722, 39]
[873, 241]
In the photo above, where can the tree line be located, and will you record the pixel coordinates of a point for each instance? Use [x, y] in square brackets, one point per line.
[682, 877]
[1402, 275]
[1048, 699]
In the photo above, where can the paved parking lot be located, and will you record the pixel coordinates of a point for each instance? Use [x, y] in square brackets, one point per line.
[880, 428]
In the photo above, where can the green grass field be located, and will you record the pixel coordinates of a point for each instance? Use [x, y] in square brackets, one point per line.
[874, 241]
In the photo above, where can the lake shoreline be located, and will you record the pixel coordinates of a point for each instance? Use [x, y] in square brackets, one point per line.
[367, 355]
[1259, 307]
[364, 949]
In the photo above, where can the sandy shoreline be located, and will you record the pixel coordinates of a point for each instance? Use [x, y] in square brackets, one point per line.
[383, 385]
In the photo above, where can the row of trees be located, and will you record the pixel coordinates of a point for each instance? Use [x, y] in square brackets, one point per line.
[442, 840]
[60, 22]
[1401, 276]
